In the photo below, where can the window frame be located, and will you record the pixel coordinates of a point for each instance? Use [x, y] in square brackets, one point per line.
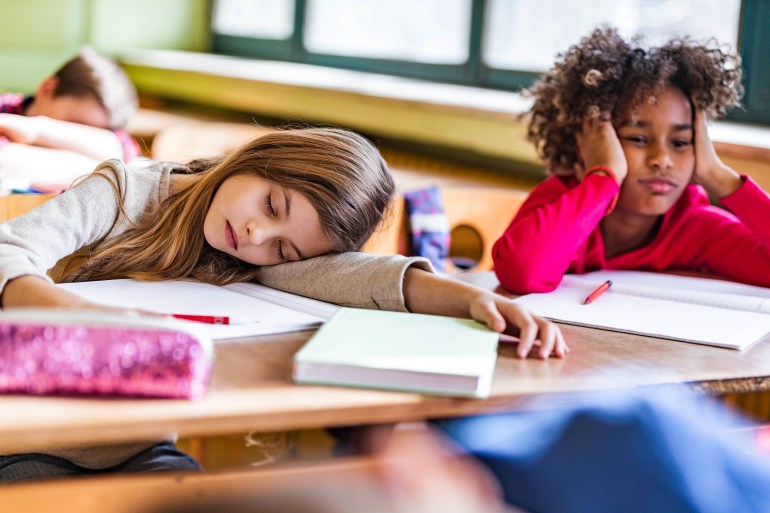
[753, 44]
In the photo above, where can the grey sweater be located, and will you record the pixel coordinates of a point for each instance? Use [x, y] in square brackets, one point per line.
[46, 240]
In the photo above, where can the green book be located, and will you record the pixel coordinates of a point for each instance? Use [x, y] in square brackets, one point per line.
[400, 351]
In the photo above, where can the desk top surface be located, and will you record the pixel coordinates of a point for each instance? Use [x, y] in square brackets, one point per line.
[251, 390]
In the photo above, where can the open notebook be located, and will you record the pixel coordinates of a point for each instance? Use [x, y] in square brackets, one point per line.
[266, 310]
[688, 309]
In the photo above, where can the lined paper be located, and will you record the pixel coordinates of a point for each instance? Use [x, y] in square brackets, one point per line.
[680, 308]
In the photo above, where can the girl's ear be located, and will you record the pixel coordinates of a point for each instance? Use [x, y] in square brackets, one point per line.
[47, 88]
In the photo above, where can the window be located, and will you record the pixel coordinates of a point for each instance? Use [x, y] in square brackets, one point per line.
[268, 20]
[428, 31]
[500, 44]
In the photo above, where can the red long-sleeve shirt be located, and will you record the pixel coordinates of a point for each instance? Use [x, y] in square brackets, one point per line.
[557, 231]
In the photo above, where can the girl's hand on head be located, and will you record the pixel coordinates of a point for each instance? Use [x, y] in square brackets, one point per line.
[598, 145]
[710, 172]
[501, 314]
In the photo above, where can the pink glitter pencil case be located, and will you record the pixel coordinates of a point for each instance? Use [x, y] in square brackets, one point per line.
[69, 352]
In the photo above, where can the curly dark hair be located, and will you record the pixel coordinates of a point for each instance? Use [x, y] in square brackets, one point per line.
[604, 76]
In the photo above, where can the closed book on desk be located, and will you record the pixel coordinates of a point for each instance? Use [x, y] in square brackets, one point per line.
[400, 351]
[682, 308]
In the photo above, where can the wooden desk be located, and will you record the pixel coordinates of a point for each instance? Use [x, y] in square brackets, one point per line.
[250, 390]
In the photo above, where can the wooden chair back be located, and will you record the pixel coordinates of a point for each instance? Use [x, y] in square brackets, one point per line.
[477, 216]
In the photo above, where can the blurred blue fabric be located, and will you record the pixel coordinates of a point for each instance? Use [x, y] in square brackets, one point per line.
[620, 452]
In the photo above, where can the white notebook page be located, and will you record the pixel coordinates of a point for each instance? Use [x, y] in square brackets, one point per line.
[634, 313]
[699, 291]
[187, 297]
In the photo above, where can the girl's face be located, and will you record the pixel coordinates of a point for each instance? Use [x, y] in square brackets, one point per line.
[262, 223]
[658, 144]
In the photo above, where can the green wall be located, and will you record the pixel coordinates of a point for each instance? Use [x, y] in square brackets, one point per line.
[37, 36]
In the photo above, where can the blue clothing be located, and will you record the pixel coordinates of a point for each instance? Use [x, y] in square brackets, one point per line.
[22, 468]
[623, 452]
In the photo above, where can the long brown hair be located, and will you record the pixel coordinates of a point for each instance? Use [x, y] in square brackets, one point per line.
[341, 173]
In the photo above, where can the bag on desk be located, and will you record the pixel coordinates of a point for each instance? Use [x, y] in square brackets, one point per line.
[67, 352]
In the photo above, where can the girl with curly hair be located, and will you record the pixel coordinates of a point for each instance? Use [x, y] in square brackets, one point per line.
[622, 130]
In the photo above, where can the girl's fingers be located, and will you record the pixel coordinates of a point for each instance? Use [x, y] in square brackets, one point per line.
[496, 321]
[528, 332]
[551, 339]
[562, 349]
[533, 329]
[486, 312]
[547, 333]
[502, 314]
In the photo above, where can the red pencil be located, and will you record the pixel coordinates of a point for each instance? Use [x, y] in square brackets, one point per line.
[601, 289]
[211, 319]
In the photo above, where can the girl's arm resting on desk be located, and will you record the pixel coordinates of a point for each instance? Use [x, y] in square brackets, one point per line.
[536, 249]
[428, 293]
[33, 291]
[398, 283]
[356, 280]
[32, 244]
[96, 143]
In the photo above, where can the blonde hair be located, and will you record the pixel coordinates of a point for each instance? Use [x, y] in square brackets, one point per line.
[342, 175]
[90, 74]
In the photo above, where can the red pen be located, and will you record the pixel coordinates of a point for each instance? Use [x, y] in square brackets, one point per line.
[601, 289]
[210, 319]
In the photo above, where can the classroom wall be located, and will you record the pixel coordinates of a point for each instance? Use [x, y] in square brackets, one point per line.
[37, 36]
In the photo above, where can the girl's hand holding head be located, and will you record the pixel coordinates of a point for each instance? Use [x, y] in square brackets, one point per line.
[710, 172]
[428, 293]
[598, 145]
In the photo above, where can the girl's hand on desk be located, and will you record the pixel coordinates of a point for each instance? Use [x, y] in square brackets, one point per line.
[32, 291]
[428, 293]
[504, 316]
